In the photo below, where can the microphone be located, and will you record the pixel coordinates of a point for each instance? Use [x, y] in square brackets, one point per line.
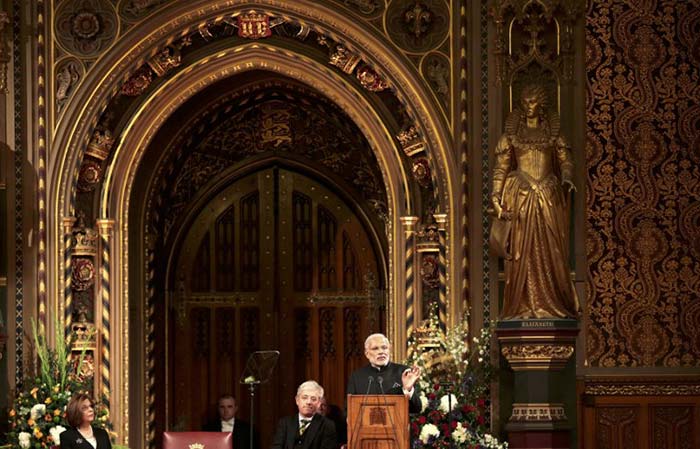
[380, 379]
[370, 379]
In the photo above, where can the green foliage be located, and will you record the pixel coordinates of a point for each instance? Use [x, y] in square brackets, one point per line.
[38, 411]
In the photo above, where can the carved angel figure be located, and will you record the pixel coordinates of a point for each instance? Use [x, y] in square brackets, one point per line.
[532, 180]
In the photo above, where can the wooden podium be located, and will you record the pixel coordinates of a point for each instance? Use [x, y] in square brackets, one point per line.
[378, 422]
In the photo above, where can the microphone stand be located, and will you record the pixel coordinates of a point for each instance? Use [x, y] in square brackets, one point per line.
[251, 389]
[380, 379]
[258, 370]
[352, 431]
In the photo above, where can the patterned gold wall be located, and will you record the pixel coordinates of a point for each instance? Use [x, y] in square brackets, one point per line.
[643, 183]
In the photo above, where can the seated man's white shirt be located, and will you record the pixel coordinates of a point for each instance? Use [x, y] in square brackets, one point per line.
[227, 426]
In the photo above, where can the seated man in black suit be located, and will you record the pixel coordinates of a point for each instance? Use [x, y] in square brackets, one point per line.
[382, 376]
[306, 429]
[228, 422]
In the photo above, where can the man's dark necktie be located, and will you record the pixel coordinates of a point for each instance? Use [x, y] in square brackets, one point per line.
[302, 427]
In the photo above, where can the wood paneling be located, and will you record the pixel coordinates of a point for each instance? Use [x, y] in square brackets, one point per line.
[640, 422]
[294, 282]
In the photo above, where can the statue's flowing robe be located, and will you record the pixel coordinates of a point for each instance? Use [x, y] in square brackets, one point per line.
[538, 283]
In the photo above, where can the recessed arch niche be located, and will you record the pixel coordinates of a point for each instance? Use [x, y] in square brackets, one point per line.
[129, 365]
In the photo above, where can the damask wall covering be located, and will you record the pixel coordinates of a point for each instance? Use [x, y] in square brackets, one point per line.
[643, 183]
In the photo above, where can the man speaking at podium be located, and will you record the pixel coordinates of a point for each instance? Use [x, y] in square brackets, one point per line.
[382, 376]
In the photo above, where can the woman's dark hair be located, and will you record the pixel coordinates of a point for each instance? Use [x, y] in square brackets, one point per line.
[74, 415]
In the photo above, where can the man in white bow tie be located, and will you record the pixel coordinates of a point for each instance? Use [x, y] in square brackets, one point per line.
[228, 422]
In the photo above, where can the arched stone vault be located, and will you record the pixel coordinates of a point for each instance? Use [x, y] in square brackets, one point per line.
[102, 83]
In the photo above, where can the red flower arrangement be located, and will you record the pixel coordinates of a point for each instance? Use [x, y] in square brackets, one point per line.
[454, 389]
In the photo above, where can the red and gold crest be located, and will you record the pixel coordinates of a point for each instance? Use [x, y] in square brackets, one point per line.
[254, 25]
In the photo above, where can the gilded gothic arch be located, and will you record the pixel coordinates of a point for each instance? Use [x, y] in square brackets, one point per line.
[77, 120]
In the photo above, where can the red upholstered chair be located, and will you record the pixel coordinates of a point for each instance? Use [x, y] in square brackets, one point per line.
[197, 440]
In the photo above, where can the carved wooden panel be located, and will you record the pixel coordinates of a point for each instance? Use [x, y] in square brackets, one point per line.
[673, 427]
[618, 427]
[303, 247]
[250, 242]
[225, 251]
[640, 422]
[285, 224]
[211, 352]
[327, 232]
[351, 272]
[330, 347]
[201, 268]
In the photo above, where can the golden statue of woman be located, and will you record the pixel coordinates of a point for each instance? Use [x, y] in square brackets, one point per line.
[532, 180]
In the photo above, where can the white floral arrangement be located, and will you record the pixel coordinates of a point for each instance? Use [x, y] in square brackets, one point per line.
[454, 388]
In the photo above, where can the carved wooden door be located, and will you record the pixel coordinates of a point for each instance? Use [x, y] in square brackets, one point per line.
[275, 261]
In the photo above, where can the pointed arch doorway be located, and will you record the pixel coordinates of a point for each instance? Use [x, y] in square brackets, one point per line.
[275, 260]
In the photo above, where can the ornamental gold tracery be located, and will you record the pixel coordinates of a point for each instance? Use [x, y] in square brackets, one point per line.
[539, 351]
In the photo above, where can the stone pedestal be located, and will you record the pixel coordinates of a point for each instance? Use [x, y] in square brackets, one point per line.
[538, 351]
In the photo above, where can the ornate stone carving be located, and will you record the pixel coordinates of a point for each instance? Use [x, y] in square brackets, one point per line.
[364, 6]
[643, 386]
[370, 79]
[428, 234]
[380, 208]
[90, 176]
[436, 69]
[526, 356]
[100, 145]
[85, 24]
[532, 412]
[544, 29]
[166, 60]
[4, 58]
[276, 126]
[429, 272]
[83, 274]
[312, 130]
[428, 337]
[418, 26]
[418, 18]
[347, 61]
[84, 334]
[87, 368]
[84, 240]
[421, 172]
[133, 9]
[411, 141]
[344, 59]
[138, 83]
[68, 73]
[254, 25]
[86, 27]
